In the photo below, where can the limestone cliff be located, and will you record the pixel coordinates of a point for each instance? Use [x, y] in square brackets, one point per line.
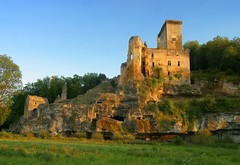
[105, 108]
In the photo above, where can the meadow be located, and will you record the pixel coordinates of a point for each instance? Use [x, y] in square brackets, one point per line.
[38, 151]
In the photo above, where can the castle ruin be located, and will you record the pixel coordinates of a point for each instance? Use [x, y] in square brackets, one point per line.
[169, 57]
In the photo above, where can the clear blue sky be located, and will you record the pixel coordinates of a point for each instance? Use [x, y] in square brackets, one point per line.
[67, 37]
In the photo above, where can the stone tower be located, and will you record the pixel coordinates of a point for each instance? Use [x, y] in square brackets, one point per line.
[170, 35]
[64, 92]
[169, 56]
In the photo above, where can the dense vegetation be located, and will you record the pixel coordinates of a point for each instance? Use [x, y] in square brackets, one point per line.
[168, 111]
[220, 54]
[50, 88]
[10, 81]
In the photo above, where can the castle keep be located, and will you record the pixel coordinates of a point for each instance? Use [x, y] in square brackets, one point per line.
[169, 57]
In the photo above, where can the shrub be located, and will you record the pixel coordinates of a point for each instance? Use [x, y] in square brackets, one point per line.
[167, 107]
[97, 136]
[124, 138]
[178, 75]
[43, 134]
[204, 137]
[80, 135]
[210, 103]
[178, 140]
[28, 135]
[6, 135]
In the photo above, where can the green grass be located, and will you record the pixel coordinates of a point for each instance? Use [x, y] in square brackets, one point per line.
[212, 74]
[38, 151]
[92, 94]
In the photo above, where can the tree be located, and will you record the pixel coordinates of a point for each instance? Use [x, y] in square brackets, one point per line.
[219, 54]
[194, 48]
[10, 82]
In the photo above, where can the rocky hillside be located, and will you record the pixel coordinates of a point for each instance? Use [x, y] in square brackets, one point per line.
[139, 107]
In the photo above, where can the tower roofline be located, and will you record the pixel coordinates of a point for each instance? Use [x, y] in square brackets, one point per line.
[169, 21]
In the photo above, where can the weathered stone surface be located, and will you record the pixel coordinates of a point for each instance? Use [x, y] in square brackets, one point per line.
[169, 57]
[64, 92]
[182, 90]
[112, 113]
[222, 86]
[32, 103]
[218, 121]
[109, 125]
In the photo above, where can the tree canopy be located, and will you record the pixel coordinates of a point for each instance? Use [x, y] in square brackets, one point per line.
[220, 53]
[10, 82]
[50, 88]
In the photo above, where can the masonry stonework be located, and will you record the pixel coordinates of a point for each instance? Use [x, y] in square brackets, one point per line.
[169, 57]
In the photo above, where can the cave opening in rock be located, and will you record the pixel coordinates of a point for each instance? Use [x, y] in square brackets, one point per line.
[119, 118]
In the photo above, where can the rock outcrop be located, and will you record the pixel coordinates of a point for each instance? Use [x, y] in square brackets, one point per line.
[103, 109]
[32, 103]
[218, 121]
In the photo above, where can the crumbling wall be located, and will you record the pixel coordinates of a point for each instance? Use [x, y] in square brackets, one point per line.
[32, 103]
[143, 62]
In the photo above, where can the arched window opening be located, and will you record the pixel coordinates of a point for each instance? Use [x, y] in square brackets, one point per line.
[131, 56]
[178, 63]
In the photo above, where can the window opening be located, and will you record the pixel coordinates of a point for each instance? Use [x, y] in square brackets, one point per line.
[131, 56]
[169, 63]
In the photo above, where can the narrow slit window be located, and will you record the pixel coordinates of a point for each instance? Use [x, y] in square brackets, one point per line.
[169, 73]
[153, 64]
[179, 63]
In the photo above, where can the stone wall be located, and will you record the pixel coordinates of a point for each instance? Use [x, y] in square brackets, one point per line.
[142, 62]
[220, 86]
[231, 88]
[32, 103]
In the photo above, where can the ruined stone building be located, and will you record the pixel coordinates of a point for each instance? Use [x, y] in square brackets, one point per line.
[169, 57]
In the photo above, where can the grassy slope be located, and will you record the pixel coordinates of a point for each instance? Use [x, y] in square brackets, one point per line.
[211, 75]
[89, 152]
[92, 94]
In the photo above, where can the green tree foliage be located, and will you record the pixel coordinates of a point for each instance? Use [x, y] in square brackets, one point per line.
[194, 48]
[220, 53]
[16, 108]
[50, 88]
[10, 82]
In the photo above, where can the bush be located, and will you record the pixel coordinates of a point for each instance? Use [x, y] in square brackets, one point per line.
[210, 103]
[28, 135]
[178, 140]
[43, 134]
[204, 137]
[80, 135]
[97, 136]
[6, 135]
[167, 107]
[124, 138]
